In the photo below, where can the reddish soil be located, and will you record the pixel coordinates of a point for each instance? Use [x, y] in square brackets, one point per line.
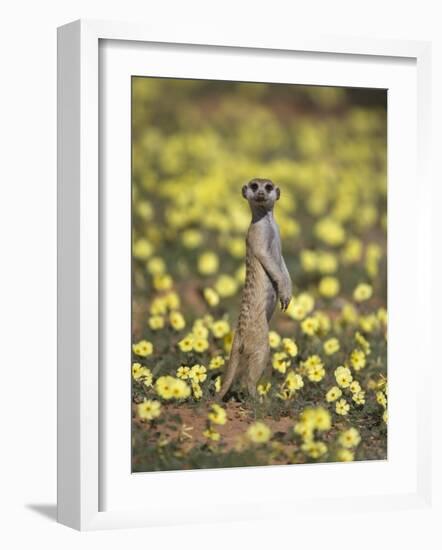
[194, 423]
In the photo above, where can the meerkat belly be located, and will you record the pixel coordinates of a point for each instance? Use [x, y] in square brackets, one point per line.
[259, 297]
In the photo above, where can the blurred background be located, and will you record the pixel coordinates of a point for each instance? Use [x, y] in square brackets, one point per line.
[196, 142]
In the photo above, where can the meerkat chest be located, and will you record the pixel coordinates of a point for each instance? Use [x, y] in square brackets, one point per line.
[272, 242]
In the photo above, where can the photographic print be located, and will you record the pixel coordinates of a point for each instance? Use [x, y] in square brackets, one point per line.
[259, 274]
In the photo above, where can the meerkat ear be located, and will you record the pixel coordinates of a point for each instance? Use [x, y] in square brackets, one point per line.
[244, 191]
[278, 193]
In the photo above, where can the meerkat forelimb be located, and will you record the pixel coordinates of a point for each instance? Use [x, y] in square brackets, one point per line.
[267, 279]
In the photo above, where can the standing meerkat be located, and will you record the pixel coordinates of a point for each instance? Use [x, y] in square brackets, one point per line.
[267, 278]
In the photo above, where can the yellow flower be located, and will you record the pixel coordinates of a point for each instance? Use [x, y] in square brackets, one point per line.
[192, 238]
[368, 323]
[220, 328]
[314, 449]
[208, 263]
[316, 418]
[226, 286]
[211, 297]
[199, 330]
[217, 415]
[310, 325]
[342, 407]
[322, 419]
[144, 210]
[143, 348]
[381, 399]
[345, 455]
[296, 311]
[312, 360]
[236, 247]
[259, 433]
[307, 301]
[314, 368]
[186, 344]
[156, 322]
[216, 362]
[169, 387]
[359, 397]
[350, 438]
[162, 282]
[217, 384]
[138, 371]
[349, 314]
[309, 260]
[197, 391]
[304, 429]
[198, 373]
[142, 249]
[263, 389]
[156, 266]
[212, 434]
[324, 321]
[290, 347]
[352, 251]
[274, 339]
[164, 385]
[149, 409]
[293, 381]
[183, 372]
[355, 387]
[180, 389]
[343, 376]
[372, 256]
[177, 320]
[200, 344]
[315, 373]
[172, 300]
[330, 231]
[357, 359]
[382, 316]
[158, 306]
[331, 346]
[240, 274]
[327, 262]
[143, 374]
[363, 343]
[329, 287]
[385, 416]
[362, 292]
[280, 361]
[227, 342]
[333, 394]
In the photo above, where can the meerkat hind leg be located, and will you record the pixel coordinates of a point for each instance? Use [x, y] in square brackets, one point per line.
[257, 363]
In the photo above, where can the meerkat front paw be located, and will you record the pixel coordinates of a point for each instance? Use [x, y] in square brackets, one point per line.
[285, 300]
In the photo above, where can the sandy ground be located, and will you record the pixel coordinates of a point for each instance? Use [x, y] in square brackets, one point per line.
[194, 423]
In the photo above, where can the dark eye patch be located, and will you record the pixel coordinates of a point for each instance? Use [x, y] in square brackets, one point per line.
[253, 186]
[269, 188]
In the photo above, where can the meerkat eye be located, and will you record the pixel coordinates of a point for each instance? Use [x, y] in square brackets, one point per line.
[269, 188]
[254, 186]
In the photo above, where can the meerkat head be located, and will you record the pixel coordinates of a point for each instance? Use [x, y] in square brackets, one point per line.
[261, 192]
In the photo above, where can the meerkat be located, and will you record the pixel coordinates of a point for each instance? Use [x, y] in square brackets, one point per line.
[267, 279]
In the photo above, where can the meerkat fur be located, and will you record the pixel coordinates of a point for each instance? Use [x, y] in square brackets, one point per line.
[267, 279]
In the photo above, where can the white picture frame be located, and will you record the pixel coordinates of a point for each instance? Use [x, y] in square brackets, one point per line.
[80, 438]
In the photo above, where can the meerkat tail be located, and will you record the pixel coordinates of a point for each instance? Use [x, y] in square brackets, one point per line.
[232, 368]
